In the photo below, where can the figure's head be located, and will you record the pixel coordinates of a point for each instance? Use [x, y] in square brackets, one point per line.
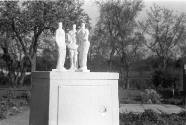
[82, 25]
[74, 26]
[60, 25]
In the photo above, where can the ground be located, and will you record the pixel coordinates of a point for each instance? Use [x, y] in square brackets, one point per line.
[19, 119]
[23, 117]
[158, 108]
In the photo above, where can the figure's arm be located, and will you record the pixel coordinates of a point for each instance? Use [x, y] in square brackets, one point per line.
[77, 37]
[69, 38]
[57, 35]
[87, 34]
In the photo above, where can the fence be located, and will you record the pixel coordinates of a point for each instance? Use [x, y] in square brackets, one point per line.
[17, 92]
[143, 80]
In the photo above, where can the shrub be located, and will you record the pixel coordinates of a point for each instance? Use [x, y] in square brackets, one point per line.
[3, 79]
[152, 118]
[27, 80]
[149, 115]
[27, 95]
[165, 79]
[150, 96]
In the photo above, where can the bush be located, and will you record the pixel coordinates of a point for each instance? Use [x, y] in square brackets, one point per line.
[3, 79]
[27, 80]
[147, 116]
[152, 118]
[27, 96]
[150, 97]
[164, 79]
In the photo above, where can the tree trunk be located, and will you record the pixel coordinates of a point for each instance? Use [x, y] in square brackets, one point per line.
[33, 63]
[164, 64]
[127, 79]
[122, 78]
[110, 65]
[110, 60]
[22, 76]
[21, 79]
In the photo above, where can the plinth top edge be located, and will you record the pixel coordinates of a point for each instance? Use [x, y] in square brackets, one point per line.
[75, 75]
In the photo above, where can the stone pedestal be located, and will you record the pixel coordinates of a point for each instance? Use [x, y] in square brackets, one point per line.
[74, 98]
[184, 84]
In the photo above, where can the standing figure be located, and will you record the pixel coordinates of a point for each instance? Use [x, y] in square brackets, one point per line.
[72, 48]
[83, 48]
[60, 40]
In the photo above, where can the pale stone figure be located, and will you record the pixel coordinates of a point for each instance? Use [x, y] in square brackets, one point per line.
[83, 47]
[72, 48]
[60, 40]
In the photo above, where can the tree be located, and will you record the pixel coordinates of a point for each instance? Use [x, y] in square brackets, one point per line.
[117, 31]
[26, 22]
[164, 32]
[10, 59]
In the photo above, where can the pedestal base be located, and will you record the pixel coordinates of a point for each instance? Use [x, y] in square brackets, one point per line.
[74, 98]
[83, 69]
[59, 70]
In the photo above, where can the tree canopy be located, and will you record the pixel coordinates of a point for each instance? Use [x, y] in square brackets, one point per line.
[116, 33]
[165, 31]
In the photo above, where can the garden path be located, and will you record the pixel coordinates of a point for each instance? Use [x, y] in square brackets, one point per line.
[159, 108]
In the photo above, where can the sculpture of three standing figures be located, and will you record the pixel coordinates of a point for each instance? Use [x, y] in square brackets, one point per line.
[78, 46]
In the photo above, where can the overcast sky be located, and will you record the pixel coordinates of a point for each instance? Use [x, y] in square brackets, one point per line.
[177, 5]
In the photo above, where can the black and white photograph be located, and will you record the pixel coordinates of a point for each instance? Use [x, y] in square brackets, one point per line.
[92, 62]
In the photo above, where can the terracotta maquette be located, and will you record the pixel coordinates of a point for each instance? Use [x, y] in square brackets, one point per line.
[72, 46]
[83, 47]
[60, 40]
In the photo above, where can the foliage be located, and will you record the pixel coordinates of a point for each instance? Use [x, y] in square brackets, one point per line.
[9, 57]
[27, 96]
[47, 61]
[150, 97]
[152, 118]
[3, 79]
[115, 33]
[27, 81]
[115, 28]
[165, 79]
[141, 84]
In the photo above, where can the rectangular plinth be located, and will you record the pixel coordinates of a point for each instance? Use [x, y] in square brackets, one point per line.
[72, 98]
[76, 75]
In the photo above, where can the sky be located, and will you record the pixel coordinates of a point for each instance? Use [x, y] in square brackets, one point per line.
[178, 5]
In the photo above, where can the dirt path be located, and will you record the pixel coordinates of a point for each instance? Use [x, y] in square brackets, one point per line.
[159, 108]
